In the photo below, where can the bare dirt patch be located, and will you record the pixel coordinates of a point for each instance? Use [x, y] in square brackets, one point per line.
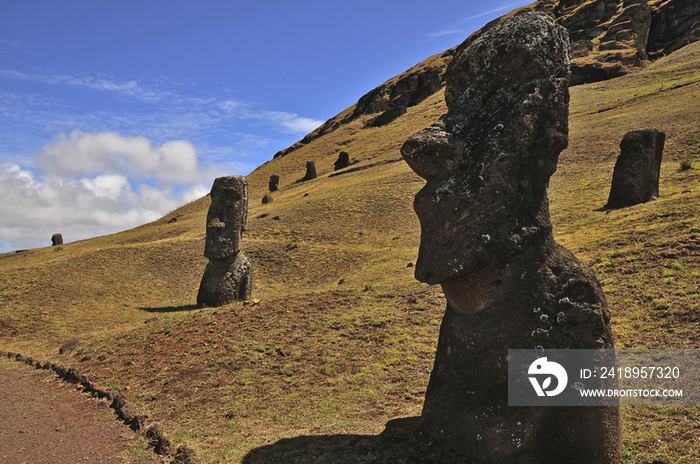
[44, 420]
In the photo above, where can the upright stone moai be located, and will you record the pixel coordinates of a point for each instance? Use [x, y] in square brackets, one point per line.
[637, 169]
[486, 238]
[342, 162]
[229, 275]
[274, 183]
[310, 171]
[56, 239]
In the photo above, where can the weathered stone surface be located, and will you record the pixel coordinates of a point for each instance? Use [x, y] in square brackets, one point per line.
[68, 345]
[184, 455]
[274, 182]
[342, 162]
[228, 276]
[227, 217]
[637, 169]
[128, 413]
[310, 171]
[506, 124]
[486, 237]
[56, 239]
[675, 24]
[267, 199]
[386, 117]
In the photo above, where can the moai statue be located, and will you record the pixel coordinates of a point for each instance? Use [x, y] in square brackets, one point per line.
[274, 182]
[486, 238]
[228, 276]
[342, 162]
[637, 169]
[310, 171]
[56, 239]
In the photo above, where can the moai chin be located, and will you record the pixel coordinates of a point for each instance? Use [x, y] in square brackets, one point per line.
[486, 238]
[228, 276]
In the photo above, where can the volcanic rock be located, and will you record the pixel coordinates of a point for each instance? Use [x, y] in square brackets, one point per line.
[310, 171]
[56, 239]
[486, 237]
[228, 276]
[274, 183]
[637, 169]
[342, 162]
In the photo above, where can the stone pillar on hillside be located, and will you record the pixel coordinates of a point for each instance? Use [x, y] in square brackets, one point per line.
[342, 162]
[56, 239]
[310, 171]
[637, 169]
[486, 238]
[229, 275]
[274, 182]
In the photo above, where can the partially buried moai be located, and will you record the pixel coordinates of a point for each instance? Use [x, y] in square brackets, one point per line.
[228, 276]
[637, 169]
[56, 239]
[486, 238]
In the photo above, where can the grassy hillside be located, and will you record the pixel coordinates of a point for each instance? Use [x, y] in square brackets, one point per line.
[342, 338]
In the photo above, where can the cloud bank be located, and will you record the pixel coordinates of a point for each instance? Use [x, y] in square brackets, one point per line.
[90, 184]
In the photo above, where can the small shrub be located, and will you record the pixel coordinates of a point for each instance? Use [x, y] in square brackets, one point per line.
[685, 164]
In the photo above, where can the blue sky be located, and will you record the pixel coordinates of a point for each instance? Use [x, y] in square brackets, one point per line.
[113, 113]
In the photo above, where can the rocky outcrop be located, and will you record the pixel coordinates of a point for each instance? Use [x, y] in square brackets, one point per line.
[614, 37]
[486, 238]
[637, 169]
[674, 24]
[389, 100]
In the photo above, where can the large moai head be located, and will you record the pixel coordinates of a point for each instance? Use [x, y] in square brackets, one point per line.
[227, 217]
[488, 161]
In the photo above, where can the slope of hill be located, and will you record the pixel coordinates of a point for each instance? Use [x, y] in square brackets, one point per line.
[343, 338]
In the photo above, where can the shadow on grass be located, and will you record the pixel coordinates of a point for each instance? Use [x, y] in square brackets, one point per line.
[169, 309]
[403, 441]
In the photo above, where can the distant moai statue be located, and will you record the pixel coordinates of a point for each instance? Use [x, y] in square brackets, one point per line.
[486, 238]
[310, 171]
[274, 183]
[267, 199]
[229, 275]
[637, 169]
[342, 162]
[56, 239]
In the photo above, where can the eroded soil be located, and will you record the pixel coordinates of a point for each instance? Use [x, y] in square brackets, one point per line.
[44, 420]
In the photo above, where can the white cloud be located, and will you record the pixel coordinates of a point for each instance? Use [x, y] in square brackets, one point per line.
[457, 29]
[131, 88]
[90, 184]
[174, 162]
[290, 121]
[106, 186]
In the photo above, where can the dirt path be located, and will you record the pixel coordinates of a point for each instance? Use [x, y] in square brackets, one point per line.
[45, 420]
